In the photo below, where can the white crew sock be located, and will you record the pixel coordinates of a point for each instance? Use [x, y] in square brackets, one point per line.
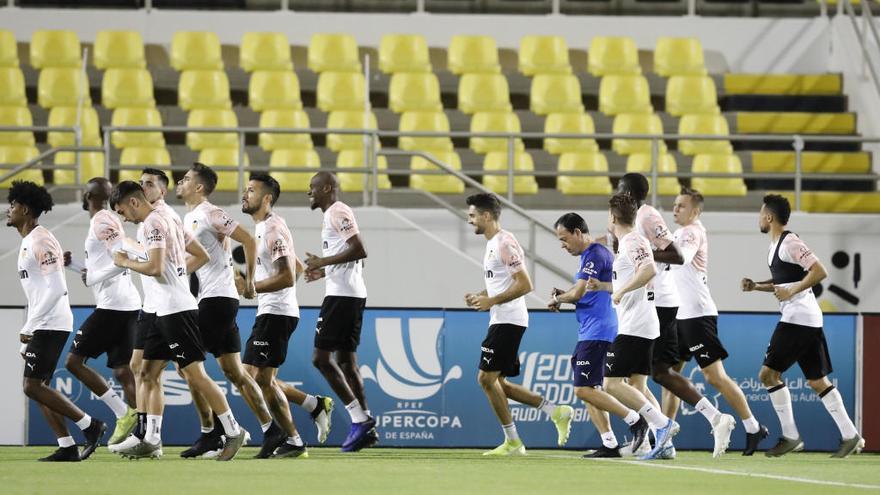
[609, 440]
[547, 406]
[265, 426]
[310, 404]
[84, 423]
[207, 429]
[834, 404]
[653, 416]
[230, 425]
[356, 412]
[510, 433]
[631, 418]
[295, 440]
[781, 399]
[115, 403]
[65, 442]
[708, 410]
[154, 429]
[751, 425]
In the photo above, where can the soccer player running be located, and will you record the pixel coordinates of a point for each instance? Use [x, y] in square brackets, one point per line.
[49, 320]
[111, 327]
[176, 328]
[598, 328]
[507, 282]
[338, 332]
[798, 337]
[698, 325]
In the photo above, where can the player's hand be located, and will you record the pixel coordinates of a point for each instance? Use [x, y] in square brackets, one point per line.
[480, 302]
[782, 293]
[312, 275]
[120, 259]
[593, 285]
[239, 283]
[313, 262]
[67, 258]
[748, 285]
[249, 290]
[553, 305]
[616, 297]
[84, 276]
[24, 339]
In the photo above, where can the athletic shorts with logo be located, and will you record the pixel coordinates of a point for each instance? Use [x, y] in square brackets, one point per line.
[176, 334]
[339, 323]
[107, 331]
[500, 349]
[800, 344]
[217, 325]
[588, 362]
[666, 346]
[629, 355]
[42, 352]
[267, 345]
[700, 337]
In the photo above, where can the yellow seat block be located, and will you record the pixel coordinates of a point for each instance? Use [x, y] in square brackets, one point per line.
[613, 55]
[704, 124]
[354, 181]
[91, 164]
[12, 87]
[19, 117]
[691, 95]
[718, 164]
[227, 180]
[127, 88]
[543, 55]
[349, 119]
[424, 121]
[837, 202]
[587, 161]
[265, 51]
[341, 91]
[212, 118]
[55, 48]
[522, 162]
[679, 57]
[414, 92]
[812, 162]
[293, 181]
[795, 123]
[11, 157]
[641, 163]
[119, 50]
[403, 53]
[494, 122]
[638, 123]
[203, 89]
[438, 184]
[196, 50]
[8, 49]
[553, 93]
[783, 84]
[333, 53]
[137, 117]
[274, 90]
[142, 157]
[291, 119]
[624, 94]
[569, 123]
[480, 92]
[66, 117]
[473, 54]
[62, 87]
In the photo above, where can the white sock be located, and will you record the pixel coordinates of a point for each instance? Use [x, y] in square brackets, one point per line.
[631, 418]
[295, 440]
[207, 429]
[354, 410]
[781, 399]
[510, 433]
[834, 405]
[310, 404]
[547, 406]
[65, 442]
[751, 425]
[154, 429]
[368, 413]
[708, 410]
[115, 403]
[84, 422]
[230, 425]
[653, 416]
[265, 427]
[609, 440]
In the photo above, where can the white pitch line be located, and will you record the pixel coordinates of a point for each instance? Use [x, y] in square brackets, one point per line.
[727, 472]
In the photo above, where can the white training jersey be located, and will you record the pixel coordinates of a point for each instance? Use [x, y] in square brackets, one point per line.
[346, 279]
[273, 242]
[151, 288]
[159, 230]
[212, 227]
[802, 308]
[636, 314]
[111, 285]
[651, 226]
[40, 269]
[691, 277]
[503, 258]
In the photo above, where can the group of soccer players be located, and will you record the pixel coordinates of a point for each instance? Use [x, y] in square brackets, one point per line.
[643, 304]
[173, 323]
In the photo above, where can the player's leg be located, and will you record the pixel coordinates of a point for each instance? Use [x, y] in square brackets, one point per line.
[67, 450]
[669, 402]
[786, 346]
[319, 408]
[76, 365]
[348, 364]
[323, 360]
[232, 368]
[286, 442]
[489, 382]
[195, 375]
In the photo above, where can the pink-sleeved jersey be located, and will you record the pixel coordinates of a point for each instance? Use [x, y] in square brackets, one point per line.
[40, 269]
[691, 278]
[802, 308]
[111, 285]
[149, 284]
[650, 225]
[503, 258]
[212, 227]
[273, 242]
[172, 295]
[636, 314]
[346, 279]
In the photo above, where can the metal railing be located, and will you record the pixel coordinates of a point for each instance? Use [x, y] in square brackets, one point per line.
[869, 25]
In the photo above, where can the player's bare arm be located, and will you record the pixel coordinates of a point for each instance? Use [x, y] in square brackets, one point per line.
[249, 244]
[282, 279]
[643, 275]
[572, 295]
[749, 285]
[522, 285]
[671, 255]
[815, 274]
[151, 268]
[197, 258]
[355, 251]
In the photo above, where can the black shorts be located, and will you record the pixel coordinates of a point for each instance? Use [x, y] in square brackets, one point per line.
[799, 344]
[339, 323]
[217, 325]
[267, 345]
[588, 362]
[700, 336]
[500, 349]
[176, 335]
[42, 353]
[629, 355]
[145, 322]
[107, 331]
[666, 345]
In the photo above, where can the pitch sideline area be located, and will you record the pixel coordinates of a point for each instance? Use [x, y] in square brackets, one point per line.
[438, 471]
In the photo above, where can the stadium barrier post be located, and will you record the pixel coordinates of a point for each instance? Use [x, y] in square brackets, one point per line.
[655, 158]
[798, 144]
[240, 163]
[365, 123]
[511, 155]
[106, 154]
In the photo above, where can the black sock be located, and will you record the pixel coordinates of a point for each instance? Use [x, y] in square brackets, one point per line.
[218, 426]
[140, 429]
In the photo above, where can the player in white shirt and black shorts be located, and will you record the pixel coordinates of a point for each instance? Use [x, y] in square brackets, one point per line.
[49, 320]
[798, 337]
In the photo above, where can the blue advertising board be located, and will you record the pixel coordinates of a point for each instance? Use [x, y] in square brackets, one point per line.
[419, 368]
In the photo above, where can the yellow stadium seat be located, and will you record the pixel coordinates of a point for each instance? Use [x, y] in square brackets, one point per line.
[522, 184]
[354, 182]
[783, 84]
[624, 94]
[718, 164]
[12, 87]
[715, 125]
[196, 50]
[836, 201]
[349, 119]
[472, 54]
[333, 53]
[293, 181]
[55, 49]
[291, 119]
[203, 89]
[636, 124]
[584, 161]
[66, 117]
[691, 95]
[641, 163]
[274, 90]
[62, 87]
[439, 184]
[142, 157]
[552, 93]
[137, 117]
[569, 123]
[796, 122]
[119, 50]
[403, 53]
[414, 92]
[91, 164]
[494, 122]
[613, 55]
[12, 156]
[8, 49]
[483, 93]
[227, 180]
[127, 88]
[341, 91]
[211, 118]
[543, 54]
[265, 51]
[812, 162]
[19, 117]
[679, 57]
[424, 121]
